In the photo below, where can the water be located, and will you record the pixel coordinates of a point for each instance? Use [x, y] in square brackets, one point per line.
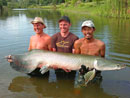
[16, 29]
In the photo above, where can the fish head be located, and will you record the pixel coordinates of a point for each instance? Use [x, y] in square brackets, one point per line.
[104, 64]
[21, 64]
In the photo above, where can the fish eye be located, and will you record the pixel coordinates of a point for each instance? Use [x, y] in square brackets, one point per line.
[118, 65]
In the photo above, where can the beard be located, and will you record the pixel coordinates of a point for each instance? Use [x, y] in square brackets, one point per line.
[88, 38]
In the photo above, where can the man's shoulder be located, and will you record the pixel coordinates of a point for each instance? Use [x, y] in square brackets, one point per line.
[74, 36]
[99, 42]
[56, 34]
[47, 36]
[79, 41]
[32, 37]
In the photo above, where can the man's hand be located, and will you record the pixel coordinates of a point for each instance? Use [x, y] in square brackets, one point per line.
[67, 70]
[83, 70]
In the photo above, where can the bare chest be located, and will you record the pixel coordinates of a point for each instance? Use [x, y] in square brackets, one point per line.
[90, 49]
[39, 44]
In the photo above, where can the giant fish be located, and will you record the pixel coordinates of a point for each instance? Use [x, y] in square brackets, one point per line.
[29, 61]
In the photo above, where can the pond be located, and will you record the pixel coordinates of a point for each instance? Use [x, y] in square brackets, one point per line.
[16, 30]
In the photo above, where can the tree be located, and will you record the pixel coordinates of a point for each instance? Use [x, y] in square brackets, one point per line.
[2, 3]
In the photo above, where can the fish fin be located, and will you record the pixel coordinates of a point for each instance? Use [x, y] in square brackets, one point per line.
[89, 76]
[44, 69]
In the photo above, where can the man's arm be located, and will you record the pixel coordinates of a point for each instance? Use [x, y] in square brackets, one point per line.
[54, 49]
[53, 43]
[102, 52]
[49, 44]
[73, 50]
[76, 47]
[30, 45]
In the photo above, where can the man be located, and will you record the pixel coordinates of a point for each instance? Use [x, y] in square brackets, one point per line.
[63, 41]
[40, 40]
[89, 45]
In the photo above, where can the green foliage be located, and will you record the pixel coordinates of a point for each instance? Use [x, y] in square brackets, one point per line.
[115, 8]
[110, 8]
[3, 2]
[13, 5]
[73, 2]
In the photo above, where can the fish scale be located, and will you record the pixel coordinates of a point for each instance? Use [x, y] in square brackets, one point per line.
[29, 61]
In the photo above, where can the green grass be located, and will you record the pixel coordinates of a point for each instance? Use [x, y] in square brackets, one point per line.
[92, 8]
[81, 8]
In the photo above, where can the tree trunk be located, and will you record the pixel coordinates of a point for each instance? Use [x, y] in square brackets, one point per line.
[126, 6]
[119, 9]
[1, 9]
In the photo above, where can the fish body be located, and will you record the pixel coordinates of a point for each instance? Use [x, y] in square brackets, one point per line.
[29, 61]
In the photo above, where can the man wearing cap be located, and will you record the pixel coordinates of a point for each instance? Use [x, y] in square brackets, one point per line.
[63, 41]
[89, 45]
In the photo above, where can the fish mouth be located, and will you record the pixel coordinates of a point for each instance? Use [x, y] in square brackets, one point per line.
[121, 66]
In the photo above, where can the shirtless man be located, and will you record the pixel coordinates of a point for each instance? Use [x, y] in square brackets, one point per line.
[40, 40]
[89, 45]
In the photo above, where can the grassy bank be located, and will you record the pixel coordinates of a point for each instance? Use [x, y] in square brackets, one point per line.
[92, 8]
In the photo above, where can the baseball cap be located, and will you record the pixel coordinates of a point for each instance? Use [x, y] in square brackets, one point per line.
[66, 18]
[38, 20]
[88, 23]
